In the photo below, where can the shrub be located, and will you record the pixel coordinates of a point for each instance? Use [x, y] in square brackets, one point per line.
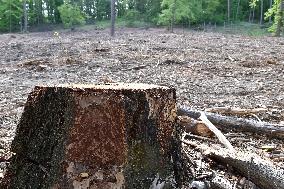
[132, 16]
[71, 15]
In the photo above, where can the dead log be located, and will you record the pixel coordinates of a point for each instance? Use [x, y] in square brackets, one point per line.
[193, 126]
[236, 111]
[96, 136]
[240, 124]
[261, 172]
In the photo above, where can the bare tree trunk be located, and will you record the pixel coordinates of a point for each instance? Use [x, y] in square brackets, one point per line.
[238, 9]
[253, 14]
[112, 17]
[25, 28]
[10, 17]
[173, 16]
[270, 6]
[261, 13]
[279, 21]
[229, 10]
[250, 16]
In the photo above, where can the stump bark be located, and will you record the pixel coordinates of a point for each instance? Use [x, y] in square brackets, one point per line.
[96, 136]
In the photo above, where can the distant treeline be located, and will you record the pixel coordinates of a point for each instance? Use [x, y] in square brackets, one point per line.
[14, 13]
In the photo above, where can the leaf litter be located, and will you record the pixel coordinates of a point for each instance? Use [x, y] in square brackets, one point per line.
[207, 69]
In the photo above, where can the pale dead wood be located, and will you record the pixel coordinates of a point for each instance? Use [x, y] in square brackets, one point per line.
[216, 131]
[260, 171]
[234, 123]
[236, 111]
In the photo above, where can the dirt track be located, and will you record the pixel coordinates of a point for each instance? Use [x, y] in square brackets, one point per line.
[207, 69]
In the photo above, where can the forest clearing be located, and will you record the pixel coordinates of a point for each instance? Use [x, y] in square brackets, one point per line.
[208, 70]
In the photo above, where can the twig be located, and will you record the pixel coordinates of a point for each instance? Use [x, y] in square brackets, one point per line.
[135, 68]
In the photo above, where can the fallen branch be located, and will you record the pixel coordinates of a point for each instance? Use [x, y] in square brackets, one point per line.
[236, 111]
[241, 124]
[261, 172]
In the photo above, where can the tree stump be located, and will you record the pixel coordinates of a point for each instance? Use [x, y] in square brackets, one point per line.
[96, 136]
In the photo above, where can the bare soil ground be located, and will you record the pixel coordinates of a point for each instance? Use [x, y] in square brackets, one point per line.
[207, 70]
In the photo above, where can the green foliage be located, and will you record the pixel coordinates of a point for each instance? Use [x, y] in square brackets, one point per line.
[71, 15]
[253, 3]
[276, 14]
[210, 11]
[133, 13]
[189, 11]
[153, 10]
[177, 9]
[132, 16]
[10, 15]
[103, 9]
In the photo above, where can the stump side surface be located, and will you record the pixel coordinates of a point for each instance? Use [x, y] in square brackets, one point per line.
[40, 138]
[118, 137]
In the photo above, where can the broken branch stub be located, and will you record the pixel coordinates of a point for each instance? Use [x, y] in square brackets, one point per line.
[96, 136]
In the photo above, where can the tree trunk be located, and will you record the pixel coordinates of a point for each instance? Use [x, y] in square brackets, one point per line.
[279, 19]
[261, 13]
[112, 29]
[25, 16]
[238, 9]
[173, 19]
[229, 9]
[253, 10]
[250, 14]
[96, 136]
[270, 6]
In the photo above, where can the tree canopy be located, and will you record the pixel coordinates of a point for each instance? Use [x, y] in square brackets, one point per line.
[162, 12]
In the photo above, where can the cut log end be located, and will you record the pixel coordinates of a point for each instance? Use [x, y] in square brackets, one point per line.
[100, 136]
